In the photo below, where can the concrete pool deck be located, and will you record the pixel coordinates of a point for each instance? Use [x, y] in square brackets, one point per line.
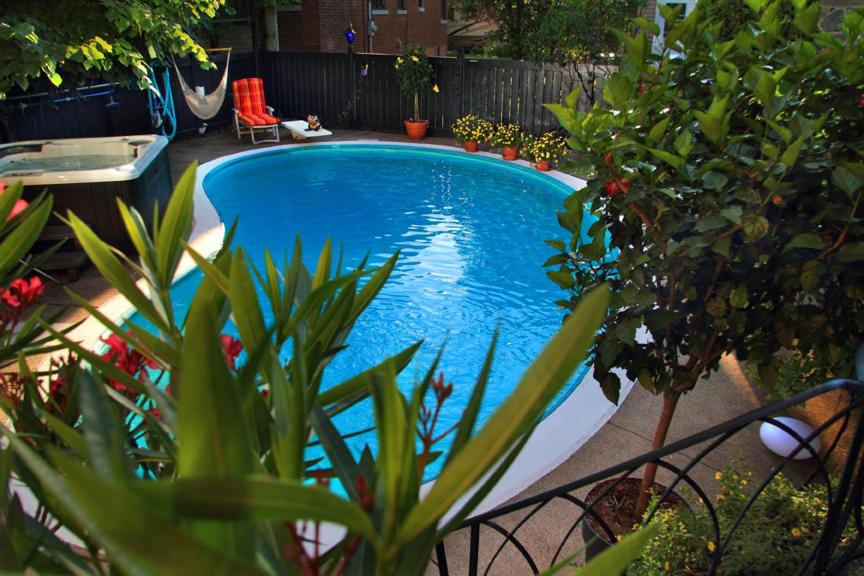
[628, 433]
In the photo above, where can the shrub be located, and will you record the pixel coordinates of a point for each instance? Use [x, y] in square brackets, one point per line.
[734, 15]
[726, 178]
[776, 536]
[507, 135]
[472, 128]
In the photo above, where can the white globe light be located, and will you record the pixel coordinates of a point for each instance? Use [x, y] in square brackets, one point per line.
[782, 443]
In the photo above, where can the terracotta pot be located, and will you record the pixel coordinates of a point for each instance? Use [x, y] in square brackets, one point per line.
[416, 130]
[510, 152]
[470, 146]
[543, 165]
[616, 509]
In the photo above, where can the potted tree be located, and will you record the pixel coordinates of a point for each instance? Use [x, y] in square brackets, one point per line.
[471, 131]
[727, 205]
[508, 137]
[414, 73]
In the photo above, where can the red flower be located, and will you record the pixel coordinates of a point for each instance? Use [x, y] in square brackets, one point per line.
[127, 359]
[232, 348]
[20, 205]
[155, 413]
[22, 293]
[611, 188]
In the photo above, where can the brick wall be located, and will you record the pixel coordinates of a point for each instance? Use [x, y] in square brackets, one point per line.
[319, 26]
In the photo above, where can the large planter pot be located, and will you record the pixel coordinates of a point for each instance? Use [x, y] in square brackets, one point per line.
[416, 130]
[471, 146]
[543, 165]
[617, 510]
[510, 153]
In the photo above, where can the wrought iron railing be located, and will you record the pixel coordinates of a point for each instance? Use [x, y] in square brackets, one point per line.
[505, 540]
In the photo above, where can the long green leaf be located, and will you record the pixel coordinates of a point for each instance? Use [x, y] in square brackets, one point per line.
[18, 242]
[175, 227]
[102, 429]
[393, 433]
[543, 379]
[110, 267]
[245, 306]
[259, 498]
[615, 559]
[337, 451]
[124, 524]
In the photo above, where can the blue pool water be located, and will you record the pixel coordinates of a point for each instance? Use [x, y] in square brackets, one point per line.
[470, 231]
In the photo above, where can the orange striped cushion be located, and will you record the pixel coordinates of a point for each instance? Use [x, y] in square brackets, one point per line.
[249, 96]
[252, 119]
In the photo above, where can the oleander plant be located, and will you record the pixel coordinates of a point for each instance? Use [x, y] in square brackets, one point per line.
[472, 128]
[178, 449]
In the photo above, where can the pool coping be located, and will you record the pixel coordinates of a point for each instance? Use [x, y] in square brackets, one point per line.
[567, 423]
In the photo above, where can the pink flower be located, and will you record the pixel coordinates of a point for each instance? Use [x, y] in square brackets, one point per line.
[20, 205]
[232, 348]
[22, 293]
[127, 359]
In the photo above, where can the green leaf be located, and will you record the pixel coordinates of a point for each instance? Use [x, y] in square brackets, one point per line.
[807, 240]
[18, 242]
[807, 20]
[851, 252]
[714, 180]
[615, 559]
[711, 222]
[128, 529]
[844, 179]
[618, 90]
[755, 227]
[103, 429]
[738, 297]
[811, 274]
[658, 130]
[712, 128]
[668, 157]
[732, 213]
[543, 379]
[258, 498]
[716, 307]
[175, 226]
[245, 306]
[790, 156]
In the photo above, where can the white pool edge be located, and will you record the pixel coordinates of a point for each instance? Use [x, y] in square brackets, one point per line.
[554, 440]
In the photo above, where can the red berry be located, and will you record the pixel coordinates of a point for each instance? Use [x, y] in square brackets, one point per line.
[612, 188]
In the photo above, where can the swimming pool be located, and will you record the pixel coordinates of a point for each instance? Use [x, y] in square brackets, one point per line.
[470, 230]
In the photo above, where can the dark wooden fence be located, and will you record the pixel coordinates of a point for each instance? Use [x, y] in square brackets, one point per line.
[299, 84]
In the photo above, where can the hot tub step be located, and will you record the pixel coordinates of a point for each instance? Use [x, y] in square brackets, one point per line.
[56, 233]
[68, 265]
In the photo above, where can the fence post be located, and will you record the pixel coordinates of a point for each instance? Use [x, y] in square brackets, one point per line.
[461, 82]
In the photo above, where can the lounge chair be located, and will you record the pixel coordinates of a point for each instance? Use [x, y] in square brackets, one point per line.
[251, 114]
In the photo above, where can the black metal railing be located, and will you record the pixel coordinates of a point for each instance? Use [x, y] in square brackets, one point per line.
[505, 540]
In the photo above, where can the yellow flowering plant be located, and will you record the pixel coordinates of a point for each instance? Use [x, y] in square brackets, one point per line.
[549, 147]
[507, 135]
[775, 536]
[414, 73]
[472, 128]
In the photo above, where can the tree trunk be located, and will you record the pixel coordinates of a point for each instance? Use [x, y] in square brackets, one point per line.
[670, 402]
[416, 106]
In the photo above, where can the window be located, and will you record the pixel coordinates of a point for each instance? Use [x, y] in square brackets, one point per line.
[443, 9]
[420, 6]
[378, 5]
[401, 5]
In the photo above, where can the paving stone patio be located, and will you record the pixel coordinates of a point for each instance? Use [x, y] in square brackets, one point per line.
[725, 395]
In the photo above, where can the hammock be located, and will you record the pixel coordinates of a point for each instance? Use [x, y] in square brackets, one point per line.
[205, 106]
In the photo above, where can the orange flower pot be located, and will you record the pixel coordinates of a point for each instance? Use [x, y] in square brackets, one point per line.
[471, 146]
[416, 130]
[543, 165]
[510, 152]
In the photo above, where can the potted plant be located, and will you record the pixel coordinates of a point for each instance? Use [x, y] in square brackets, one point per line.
[727, 201]
[472, 130]
[414, 72]
[545, 150]
[508, 137]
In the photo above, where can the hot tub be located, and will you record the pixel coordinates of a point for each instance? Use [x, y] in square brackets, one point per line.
[86, 175]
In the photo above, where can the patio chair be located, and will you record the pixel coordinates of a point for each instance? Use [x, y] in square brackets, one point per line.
[251, 114]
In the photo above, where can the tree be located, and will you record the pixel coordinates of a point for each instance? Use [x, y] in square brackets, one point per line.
[727, 179]
[580, 35]
[62, 40]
